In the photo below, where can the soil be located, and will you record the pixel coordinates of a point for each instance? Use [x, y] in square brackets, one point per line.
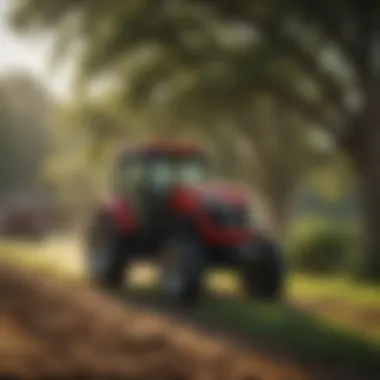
[55, 330]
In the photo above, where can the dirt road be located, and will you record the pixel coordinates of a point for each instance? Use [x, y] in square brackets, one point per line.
[67, 331]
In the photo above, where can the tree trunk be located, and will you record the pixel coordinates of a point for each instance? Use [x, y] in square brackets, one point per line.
[368, 170]
[278, 204]
[368, 263]
[279, 218]
[364, 149]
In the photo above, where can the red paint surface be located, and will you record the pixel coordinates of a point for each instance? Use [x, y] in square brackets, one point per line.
[121, 214]
[188, 200]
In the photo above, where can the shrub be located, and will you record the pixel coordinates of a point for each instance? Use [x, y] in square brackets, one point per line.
[321, 247]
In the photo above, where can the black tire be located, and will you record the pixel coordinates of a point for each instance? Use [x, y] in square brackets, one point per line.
[105, 257]
[264, 275]
[182, 269]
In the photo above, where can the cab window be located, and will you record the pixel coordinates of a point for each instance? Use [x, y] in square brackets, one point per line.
[129, 174]
[191, 172]
[161, 172]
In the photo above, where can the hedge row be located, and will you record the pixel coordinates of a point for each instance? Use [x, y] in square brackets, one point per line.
[322, 247]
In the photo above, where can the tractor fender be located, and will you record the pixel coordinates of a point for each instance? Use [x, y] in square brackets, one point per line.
[120, 213]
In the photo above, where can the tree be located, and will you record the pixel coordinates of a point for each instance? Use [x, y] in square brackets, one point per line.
[349, 31]
[280, 150]
[264, 143]
[313, 35]
[190, 75]
[334, 179]
[25, 110]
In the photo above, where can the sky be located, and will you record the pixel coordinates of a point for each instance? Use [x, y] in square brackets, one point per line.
[31, 54]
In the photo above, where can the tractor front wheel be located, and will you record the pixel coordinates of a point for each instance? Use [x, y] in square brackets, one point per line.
[104, 257]
[182, 264]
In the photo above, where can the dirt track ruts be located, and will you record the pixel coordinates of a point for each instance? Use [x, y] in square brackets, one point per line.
[56, 330]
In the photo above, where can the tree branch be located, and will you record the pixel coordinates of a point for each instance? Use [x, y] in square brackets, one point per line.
[335, 19]
[270, 25]
[331, 91]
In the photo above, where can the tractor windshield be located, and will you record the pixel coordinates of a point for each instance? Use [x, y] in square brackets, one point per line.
[160, 171]
[169, 171]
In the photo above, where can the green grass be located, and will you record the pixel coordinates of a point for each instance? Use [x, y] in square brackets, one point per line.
[316, 288]
[279, 326]
[333, 297]
[347, 290]
[305, 335]
[285, 329]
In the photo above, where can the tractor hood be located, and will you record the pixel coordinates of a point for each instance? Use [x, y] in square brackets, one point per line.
[222, 192]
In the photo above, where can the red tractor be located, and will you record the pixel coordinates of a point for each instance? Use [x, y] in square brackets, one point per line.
[164, 208]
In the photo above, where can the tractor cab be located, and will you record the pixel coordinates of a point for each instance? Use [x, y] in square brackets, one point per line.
[147, 175]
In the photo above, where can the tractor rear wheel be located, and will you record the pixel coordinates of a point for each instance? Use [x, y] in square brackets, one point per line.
[263, 276]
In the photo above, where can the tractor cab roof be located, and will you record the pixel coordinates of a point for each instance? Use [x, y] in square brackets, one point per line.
[175, 149]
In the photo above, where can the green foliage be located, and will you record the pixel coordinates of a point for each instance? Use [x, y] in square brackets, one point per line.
[185, 65]
[321, 247]
[334, 179]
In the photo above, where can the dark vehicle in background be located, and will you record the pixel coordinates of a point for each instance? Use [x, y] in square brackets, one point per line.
[164, 207]
[21, 225]
[29, 217]
[21, 220]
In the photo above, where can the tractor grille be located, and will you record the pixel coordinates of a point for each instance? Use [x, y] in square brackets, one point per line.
[231, 216]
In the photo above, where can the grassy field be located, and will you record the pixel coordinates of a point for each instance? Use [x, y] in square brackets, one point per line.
[345, 289]
[333, 319]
